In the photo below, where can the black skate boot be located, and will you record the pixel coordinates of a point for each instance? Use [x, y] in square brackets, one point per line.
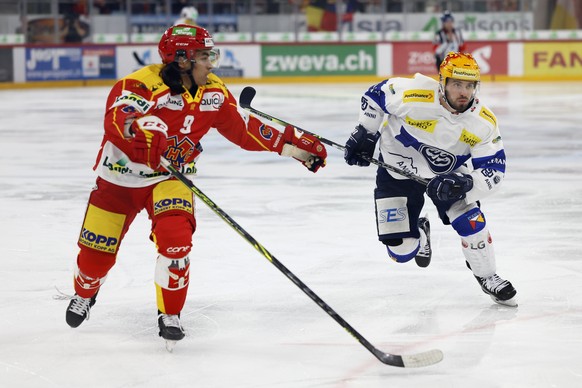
[500, 290]
[424, 254]
[78, 310]
[170, 329]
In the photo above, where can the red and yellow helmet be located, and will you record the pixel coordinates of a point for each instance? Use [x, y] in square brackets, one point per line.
[184, 40]
[461, 66]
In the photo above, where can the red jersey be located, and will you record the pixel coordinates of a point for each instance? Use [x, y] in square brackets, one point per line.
[189, 117]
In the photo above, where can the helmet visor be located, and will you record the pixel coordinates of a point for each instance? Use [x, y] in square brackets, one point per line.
[214, 57]
[205, 56]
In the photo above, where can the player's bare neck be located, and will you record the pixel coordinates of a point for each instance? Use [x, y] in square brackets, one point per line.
[446, 105]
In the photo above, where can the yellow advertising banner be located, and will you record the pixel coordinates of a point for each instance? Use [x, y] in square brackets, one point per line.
[553, 59]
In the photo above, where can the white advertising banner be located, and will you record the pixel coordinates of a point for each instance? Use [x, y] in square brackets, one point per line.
[235, 60]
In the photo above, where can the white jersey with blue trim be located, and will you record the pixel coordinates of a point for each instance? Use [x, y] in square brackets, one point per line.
[423, 137]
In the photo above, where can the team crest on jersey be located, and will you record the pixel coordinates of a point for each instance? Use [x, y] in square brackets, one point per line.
[178, 152]
[418, 95]
[211, 101]
[439, 161]
[266, 132]
[128, 109]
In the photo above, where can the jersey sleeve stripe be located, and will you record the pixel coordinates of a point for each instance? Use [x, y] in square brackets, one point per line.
[495, 162]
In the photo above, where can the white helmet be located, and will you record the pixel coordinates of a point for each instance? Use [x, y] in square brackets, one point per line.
[189, 13]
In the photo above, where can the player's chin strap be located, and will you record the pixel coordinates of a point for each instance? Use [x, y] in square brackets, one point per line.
[246, 98]
[409, 361]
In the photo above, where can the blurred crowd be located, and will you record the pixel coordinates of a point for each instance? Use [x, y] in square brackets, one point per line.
[81, 7]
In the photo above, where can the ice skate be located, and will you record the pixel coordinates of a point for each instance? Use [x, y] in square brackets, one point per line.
[500, 290]
[170, 329]
[424, 254]
[78, 310]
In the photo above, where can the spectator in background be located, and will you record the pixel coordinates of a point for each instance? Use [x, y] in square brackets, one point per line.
[447, 39]
[188, 15]
[567, 15]
[78, 7]
[74, 30]
[177, 5]
[107, 7]
[321, 15]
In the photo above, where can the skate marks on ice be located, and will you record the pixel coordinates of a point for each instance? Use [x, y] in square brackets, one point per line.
[258, 326]
[197, 324]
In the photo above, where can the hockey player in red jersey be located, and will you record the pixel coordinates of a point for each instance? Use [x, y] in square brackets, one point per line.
[163, 110]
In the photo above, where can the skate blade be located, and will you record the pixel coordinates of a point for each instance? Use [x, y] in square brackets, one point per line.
[509, 302]
[170, 345]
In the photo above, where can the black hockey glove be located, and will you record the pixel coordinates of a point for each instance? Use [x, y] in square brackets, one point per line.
[361, 143]
[449, 187]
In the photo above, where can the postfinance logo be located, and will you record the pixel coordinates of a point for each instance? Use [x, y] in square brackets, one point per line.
[425, 125]
[488, 115]
[465, 74]
[418, 95]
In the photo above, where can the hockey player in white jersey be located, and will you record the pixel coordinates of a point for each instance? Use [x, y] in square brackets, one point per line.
[440, 131]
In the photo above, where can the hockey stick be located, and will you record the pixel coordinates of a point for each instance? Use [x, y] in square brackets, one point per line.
[408, 361]
[138, 59]
[247, 95]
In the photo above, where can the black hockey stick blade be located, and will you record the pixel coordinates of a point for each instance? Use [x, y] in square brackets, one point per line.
[138, 59]
[246, 97]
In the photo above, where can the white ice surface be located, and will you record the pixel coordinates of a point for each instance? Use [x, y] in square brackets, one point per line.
[248, 325]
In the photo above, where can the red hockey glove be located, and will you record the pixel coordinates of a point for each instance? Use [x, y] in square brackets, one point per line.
[305, 148]
[149, 141]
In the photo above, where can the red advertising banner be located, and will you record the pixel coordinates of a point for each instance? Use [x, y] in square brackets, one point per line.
[491, 56]
[418, 57]
[413, 57]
